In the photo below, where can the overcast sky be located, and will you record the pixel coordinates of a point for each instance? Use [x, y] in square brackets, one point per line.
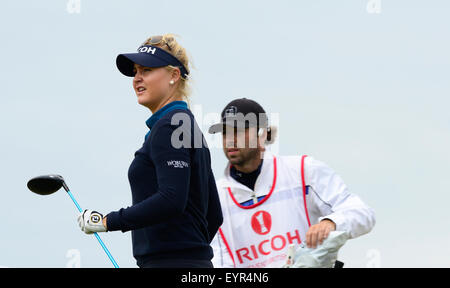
[360, 85]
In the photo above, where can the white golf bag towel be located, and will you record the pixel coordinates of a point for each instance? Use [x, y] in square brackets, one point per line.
[323, 256]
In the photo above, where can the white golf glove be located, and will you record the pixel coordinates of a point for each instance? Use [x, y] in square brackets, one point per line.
[91, 221]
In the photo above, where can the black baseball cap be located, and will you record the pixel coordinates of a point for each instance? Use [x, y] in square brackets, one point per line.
[241, 113]
[148, 56]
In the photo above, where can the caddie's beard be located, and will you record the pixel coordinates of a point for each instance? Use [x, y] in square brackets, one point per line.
[244, 156]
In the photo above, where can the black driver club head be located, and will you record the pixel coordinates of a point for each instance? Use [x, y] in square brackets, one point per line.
[46, 184]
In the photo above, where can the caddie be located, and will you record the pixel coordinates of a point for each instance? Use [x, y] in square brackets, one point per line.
[269, 201]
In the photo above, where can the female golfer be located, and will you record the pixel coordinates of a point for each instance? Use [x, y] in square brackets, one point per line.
[176, 210]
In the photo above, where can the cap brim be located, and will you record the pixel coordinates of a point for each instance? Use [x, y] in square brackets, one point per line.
[216, 128]
[125, 62]
[232, 122]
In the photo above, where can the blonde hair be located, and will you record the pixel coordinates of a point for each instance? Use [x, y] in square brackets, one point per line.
[168, 40]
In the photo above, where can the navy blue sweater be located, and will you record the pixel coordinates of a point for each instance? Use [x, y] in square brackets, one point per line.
[176, 210]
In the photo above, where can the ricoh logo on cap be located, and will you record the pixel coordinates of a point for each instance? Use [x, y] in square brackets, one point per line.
[231, 111]
[261, 222]
[147, 49]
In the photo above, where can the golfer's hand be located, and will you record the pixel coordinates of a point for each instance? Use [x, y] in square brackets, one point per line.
[91, 221]
[319, 232]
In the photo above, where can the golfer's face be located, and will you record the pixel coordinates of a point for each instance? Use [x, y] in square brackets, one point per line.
[240, 145]
[151, 85]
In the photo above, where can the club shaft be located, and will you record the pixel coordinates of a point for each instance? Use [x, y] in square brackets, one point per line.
[106, 250]
[75, 201]
[95, 234]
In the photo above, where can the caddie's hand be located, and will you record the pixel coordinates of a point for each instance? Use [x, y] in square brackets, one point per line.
[319, 232]
[91, 221]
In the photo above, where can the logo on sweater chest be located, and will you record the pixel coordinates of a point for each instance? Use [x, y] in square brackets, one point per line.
[177, 164]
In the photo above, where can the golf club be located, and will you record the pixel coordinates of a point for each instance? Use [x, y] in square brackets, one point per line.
[49, 184]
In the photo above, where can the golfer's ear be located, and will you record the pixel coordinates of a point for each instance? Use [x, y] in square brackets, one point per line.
[269, 135]
[176, 74]
[261, 138]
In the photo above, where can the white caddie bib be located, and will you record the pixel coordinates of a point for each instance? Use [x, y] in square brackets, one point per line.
[259, 235]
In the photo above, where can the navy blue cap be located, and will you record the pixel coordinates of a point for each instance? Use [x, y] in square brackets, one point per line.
[241, 113]
[148, 56]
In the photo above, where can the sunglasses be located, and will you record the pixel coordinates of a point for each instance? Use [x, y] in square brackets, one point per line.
[155, 40]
